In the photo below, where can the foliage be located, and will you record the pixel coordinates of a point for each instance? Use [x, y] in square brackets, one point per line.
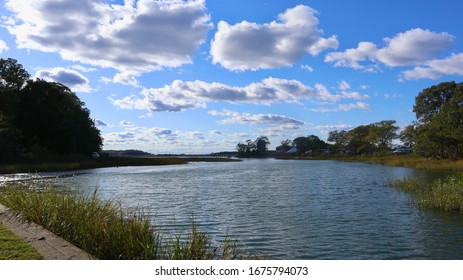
[39, 118]
[309, 144]
[365, 139]
[439, 129]
[256, 148]
[445, 195]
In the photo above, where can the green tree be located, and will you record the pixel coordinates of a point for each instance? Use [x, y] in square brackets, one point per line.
[382, 134]
[54, 118]
[261, 145]
[12, 78]
[439, 111]
[10, 138]
[340, 138]
[311, 143]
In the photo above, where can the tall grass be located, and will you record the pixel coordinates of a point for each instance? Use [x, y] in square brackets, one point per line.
[443, 194]
[105, 230]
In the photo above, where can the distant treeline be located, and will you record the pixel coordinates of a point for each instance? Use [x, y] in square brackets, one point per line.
[40, 119]
[437, 132]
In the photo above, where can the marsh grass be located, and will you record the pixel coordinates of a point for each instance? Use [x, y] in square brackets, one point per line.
[197, 245]
[103, 229]
[67, 164]
[412, 161]
[443, 194]
[100, 228]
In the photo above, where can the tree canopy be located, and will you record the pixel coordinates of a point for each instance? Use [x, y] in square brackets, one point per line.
[39, 118]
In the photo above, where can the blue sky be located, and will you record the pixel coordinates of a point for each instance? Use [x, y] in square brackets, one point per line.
[202, 76]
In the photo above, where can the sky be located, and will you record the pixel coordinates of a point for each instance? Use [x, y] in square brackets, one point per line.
[202, 76]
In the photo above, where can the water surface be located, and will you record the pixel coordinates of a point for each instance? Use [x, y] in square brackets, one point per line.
[287, 209]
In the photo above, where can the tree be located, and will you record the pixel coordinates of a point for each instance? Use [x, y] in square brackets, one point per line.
[430, 101]
[340, 138]
[39, 117]
[9, 139]
[261, 144]
[256, 148]
[382, 134]
[12, 78]
[53, 117]
[408, 136]
[311, 143]
[439, 111]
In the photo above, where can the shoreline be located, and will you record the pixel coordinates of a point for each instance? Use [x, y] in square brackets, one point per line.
[70, 165]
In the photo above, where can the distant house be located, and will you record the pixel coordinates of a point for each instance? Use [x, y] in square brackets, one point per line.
[292, 150]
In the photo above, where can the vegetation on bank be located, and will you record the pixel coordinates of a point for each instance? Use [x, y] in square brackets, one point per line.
[40, 118]
[410, 161]
[107, 231]
[69, 164]
[443, 194]
[13, 247]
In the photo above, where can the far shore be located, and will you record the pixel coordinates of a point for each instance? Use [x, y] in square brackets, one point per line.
[57, 165]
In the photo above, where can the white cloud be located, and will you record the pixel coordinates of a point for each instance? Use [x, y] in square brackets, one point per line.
[138, 36]
[252, 46]
[83, 69]
[126, 123]
[3, 46]
[101, 123]
[182, 95]
[343, 85]
[70, 78]
[434, 69]
[413, 47]
[307, 67]
[257, 119]
[345, 107]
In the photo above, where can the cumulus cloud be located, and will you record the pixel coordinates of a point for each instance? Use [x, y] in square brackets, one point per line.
[413, 47]
[126, 123]
[434, 69]
[3, 46]
[345, 107]
[265, 119]
[183, 95]
[70, 78]
[138, 36]
[101, 123]
[252, 46]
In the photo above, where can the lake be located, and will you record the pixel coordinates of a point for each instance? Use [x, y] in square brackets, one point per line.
[286, 209]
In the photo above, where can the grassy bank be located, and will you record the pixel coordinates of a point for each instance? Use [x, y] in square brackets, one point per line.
[80, 163]
[411, 161]
[414, 161]
[105, 230]
[13, 247]
[445, 195]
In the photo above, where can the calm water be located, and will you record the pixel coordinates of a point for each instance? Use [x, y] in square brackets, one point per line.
[287, 209]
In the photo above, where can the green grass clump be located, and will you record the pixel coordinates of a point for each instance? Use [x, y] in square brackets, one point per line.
[197, 246]
[100, 228]
[12, 247]
[443, 194]
[105, 230]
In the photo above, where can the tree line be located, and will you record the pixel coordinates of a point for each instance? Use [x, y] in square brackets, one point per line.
[436, 133]
[39, 119]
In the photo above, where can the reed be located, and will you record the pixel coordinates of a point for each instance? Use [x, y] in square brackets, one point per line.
[99, 227]
[103, 229]
[443, 194]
